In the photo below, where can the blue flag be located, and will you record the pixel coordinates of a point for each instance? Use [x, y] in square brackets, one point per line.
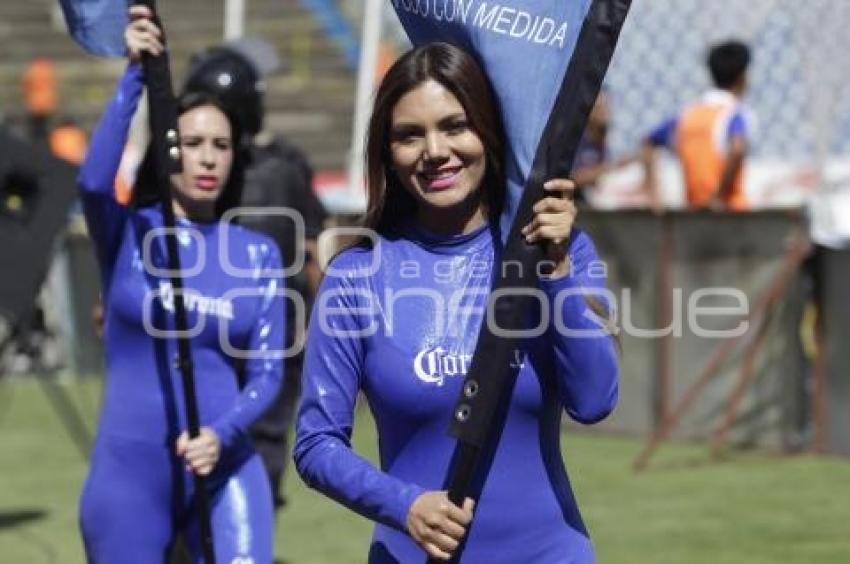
[525, 47]
[97, 25]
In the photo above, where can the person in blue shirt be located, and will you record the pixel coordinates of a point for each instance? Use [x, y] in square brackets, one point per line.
[397, 318]
[138, 494]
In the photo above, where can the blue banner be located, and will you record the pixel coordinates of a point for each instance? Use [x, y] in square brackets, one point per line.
[97, 25]
[525, 47]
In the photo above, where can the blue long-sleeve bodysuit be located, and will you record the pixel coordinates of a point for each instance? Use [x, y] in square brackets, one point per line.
[138, 494]
[398, 320]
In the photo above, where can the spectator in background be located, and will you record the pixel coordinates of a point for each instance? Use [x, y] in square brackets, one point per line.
[710, 137]
[62, 136]
[592, 160]
[277, 175]
[40, 97]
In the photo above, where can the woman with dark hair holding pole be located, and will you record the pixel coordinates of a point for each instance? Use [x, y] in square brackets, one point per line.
[397, 318]
[138, 495]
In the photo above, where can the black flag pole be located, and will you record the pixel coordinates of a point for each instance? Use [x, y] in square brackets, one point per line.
[477, 416]
[166, 154]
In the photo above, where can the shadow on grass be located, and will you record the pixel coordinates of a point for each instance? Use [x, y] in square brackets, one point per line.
[15, 518]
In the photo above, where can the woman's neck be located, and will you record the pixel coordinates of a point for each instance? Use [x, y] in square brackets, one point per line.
[197, 213]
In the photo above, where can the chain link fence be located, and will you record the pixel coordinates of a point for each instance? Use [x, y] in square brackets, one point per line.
[801, 58]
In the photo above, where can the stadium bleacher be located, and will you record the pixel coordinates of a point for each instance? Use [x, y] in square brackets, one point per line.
[310, 100]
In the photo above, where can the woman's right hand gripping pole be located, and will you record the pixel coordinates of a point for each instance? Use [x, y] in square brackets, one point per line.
[437, 525]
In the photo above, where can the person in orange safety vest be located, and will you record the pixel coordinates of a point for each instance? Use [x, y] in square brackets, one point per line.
[710, 137]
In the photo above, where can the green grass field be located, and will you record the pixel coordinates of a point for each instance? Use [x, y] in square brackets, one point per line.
[751, 509]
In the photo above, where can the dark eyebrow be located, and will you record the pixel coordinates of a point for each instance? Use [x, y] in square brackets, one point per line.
[403, 129]
[405, 125]
[452, 119]
[195, 137]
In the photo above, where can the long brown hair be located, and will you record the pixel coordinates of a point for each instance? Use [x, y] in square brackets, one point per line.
[461, 75]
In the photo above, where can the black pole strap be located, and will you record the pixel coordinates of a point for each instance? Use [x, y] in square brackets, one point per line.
[166, 153]
[491, 376]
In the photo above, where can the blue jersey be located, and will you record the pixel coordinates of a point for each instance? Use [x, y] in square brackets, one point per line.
[398, 321]
[233, 296]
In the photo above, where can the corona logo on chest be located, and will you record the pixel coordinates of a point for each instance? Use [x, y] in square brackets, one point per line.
[204, 305]
[434, 365]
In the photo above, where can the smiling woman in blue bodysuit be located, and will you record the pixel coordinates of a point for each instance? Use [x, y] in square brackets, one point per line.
[138, 493]
[390, 322]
